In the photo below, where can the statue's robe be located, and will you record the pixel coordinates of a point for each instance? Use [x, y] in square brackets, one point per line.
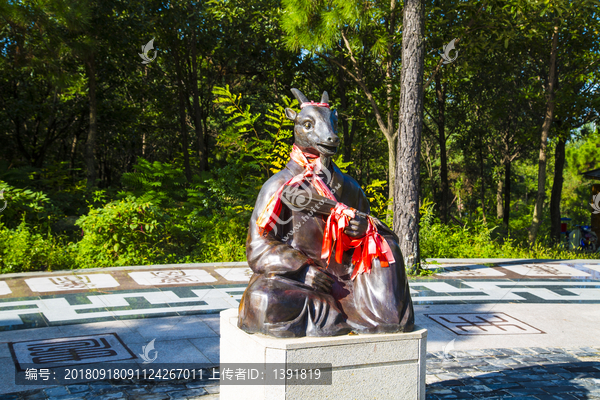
[277, 302]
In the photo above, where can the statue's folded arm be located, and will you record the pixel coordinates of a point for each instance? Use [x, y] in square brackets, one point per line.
[269, 254]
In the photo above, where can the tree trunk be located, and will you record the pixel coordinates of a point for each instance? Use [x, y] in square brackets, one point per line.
[182, 116]
[342, 115]
[548, 117]
[392, 163]
[406, 194]
[202, 156]
[73, 153]
[90, 145]
[206, 137]
[499, 204]
[559, 165]
[441, 103]
[482, 177]
[507, 173]
[144, 140]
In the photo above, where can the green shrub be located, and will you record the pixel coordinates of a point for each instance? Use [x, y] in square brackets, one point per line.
[474, 240]
[24, 204]
[221, 237]
[22, 249]
[159, 183]
[124, 232]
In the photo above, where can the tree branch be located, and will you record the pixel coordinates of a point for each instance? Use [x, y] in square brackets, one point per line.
[361, 83]
[437, 68]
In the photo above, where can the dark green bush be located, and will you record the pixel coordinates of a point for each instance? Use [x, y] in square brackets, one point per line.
[124, 232]
[474, 240]
[27, 205]
[24, 249]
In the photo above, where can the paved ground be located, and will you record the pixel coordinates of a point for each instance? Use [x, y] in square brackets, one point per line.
[546, 312]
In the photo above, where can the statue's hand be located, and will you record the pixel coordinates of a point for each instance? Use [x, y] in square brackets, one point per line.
[358, 227]
[318, 279]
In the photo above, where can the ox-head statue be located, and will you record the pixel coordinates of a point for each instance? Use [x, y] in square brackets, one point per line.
[315, 126]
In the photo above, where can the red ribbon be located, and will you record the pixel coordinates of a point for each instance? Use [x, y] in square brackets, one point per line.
[312, 103]
[312, 166]
[366, 248]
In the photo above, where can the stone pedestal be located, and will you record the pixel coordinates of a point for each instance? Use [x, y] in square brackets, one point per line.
[381, 366]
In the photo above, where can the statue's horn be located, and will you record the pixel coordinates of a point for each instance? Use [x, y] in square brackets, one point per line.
[325, 98]
[299, 96]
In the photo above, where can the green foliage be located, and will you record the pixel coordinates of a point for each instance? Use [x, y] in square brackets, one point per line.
[341, 164]
[26, 205]
[378, 201]
[581, 155]
[584, 154]
[474, 240]
[493, 105]
[318, 25]
[221, 237]
[24, 249]
[124, 232]
[267, 151]
[163, 184]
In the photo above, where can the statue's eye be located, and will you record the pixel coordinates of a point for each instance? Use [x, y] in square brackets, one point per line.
[307, 125]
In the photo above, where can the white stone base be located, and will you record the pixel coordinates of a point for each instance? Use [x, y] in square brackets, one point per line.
[379, 366]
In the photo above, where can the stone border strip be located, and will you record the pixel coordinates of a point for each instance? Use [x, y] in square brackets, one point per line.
[131, 268]
[245, 264]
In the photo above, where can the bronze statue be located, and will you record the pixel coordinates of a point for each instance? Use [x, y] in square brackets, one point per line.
[322, 266]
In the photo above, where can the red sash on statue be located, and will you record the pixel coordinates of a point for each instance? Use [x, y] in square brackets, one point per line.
[366, 248]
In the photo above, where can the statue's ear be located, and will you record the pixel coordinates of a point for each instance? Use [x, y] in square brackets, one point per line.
[291, 114]
[299, 96]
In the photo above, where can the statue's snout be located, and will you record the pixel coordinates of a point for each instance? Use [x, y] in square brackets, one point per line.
[329, 137]
[333, 139]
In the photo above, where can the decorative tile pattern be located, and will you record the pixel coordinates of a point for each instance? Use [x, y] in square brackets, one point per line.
[120, 305]
[504, 291]
[496, 323]
[69, 308]
[71, 282]
[70, 351]
[444, 266]
[537, 270]
[4, 289]
[172, 277]
[473, 271]
[235, 274]
[595, 267]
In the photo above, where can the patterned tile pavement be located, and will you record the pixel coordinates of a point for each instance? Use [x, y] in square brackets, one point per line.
[125, 299]
[73, 297]
[93, 305]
